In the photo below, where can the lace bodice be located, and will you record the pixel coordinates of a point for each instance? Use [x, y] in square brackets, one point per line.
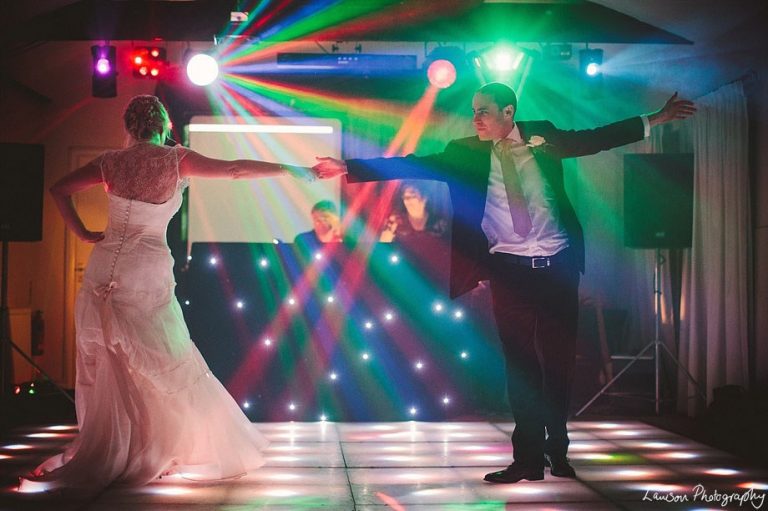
[144, 172]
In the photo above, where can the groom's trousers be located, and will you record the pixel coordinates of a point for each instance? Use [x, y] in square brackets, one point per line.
[535, 304]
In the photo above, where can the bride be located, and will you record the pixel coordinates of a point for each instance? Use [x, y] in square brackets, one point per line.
[147, 404]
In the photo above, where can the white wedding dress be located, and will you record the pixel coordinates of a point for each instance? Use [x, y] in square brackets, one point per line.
[147, 404]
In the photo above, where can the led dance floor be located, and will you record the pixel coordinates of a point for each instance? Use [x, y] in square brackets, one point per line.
[420, 466]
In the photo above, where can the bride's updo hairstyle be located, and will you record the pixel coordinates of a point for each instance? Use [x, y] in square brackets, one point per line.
[145, 116]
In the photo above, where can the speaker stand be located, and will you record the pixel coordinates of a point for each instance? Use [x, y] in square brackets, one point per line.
[6, 344]
[658, 348]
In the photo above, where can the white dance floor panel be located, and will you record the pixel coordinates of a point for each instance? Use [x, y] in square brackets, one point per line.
[419, 466]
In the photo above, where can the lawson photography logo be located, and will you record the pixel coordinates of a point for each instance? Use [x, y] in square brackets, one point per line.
[699, 494]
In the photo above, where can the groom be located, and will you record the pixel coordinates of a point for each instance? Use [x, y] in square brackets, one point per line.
[514, 225]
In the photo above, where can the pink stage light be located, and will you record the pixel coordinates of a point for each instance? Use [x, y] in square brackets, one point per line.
[441, 73]
[103, 66]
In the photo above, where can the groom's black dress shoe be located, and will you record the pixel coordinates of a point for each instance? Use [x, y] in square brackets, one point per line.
[559, 466]
[515, 473]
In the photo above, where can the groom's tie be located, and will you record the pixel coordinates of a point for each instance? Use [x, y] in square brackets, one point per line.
[518, 206]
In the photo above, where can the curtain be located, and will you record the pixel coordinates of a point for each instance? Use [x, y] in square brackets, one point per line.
[714, 308]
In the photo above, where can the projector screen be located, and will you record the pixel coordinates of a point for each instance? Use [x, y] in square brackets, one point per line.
[267, 209]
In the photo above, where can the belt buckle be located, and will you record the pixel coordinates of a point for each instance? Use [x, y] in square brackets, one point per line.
[539, 262]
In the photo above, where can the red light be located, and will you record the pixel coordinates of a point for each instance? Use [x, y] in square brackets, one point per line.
[17, 390]
[148, 61]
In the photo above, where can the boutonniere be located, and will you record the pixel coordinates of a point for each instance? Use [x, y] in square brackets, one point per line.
[538, 144]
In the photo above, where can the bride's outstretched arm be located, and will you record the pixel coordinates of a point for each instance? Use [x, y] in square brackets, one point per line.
[80, 179]
[196, 165]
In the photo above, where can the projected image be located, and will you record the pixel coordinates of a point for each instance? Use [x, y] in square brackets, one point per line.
[263, 210]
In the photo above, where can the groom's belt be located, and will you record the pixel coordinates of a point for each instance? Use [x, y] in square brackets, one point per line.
[534, 262]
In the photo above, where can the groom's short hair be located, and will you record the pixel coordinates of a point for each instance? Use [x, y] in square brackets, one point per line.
[501, 93]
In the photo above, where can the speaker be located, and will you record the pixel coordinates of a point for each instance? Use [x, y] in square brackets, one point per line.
[658, 200]
[21, 192]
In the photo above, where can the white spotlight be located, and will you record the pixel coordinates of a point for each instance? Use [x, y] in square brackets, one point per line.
[202, 69]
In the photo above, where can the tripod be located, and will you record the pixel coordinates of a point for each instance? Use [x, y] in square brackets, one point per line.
[657, 346]
[6, 364]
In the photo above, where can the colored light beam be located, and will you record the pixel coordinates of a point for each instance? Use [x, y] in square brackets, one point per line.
[406, 140]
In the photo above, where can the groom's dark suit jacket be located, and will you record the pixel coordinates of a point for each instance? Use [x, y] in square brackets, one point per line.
[465, 166]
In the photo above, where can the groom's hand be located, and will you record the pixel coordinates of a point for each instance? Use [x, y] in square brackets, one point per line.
[327, 167]
[673, 109]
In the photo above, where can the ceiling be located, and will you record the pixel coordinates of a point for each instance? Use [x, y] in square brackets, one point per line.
[374, 20]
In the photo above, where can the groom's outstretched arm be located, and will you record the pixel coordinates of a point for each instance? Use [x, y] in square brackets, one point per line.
[381, 169]
[571, 143]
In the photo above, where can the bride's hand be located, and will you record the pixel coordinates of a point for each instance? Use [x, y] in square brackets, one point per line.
[301, 173]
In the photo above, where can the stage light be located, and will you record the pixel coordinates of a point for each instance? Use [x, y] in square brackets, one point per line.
[445, 65]
[441, 73]
[202, 69]
[148, 61]
[103, 66]
[500, 62]
[591, 62]
[503, 59]
[267, 342]
[104, 78]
